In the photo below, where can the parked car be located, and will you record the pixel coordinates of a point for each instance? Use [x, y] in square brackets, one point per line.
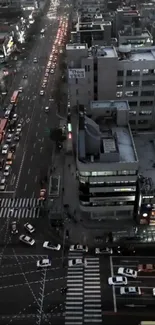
[77, 247]
[117, 280]
[27, 240]
[127, 272]
[44, 263]
[77, 262]
[103, 251]
[130, 291]
[29, 227]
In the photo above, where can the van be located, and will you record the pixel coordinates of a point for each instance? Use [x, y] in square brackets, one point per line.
[9, 158]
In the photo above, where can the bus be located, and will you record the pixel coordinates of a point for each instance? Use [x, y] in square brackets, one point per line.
[3, 123]
[54, 186]
[147, 322]
[14, 97]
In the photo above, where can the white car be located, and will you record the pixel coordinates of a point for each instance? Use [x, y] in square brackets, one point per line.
[52, 71]
[117, 280]
[29, 228]
[27, 240]
[14, 117]
[5, 149]
[46, 74]
[48, 245]
[77, 262]
[47, 109]
[7, 114]
[80, 248]
[2, 184]
[130, 291]
[9, 138]
[19, 128]
[7, 170]
[44, 263]
[41, 92]
[103, 251]
[35, 60]
[127, 272]
[20, 89]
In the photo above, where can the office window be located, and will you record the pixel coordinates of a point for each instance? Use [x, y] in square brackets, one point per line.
[146, 113]
[132, 112]
[132, 83]
[119, 94]
[131, 93]
[146, 71]
[142, 122]
[86, 68]
[120, 73]
[132, 104]
[135, 72]
[89, 81]
[120, 84]
[77, 92]
[146, 103]
[89, 93]
[76, 81]
[148, 83]
[129, 73]
[147, 93]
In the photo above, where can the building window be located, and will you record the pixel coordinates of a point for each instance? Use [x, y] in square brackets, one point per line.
[147, 93]
[132, 104]
[146, 113]
[131, 93]
[146, 103]
[132, 112]
[86, 68]
[146, 71]
[89, 93]
[119, 94]
[77, 92]
[120, 73]
[132, 83]
[76, 81]
[134, 72]
[119, 84]
[129, 73]
[89, 80]
[142, 122]
[148, 83]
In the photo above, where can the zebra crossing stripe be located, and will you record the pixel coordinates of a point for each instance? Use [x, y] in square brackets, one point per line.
[19, 202]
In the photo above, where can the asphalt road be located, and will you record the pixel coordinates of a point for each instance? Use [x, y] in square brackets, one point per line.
[35, 148]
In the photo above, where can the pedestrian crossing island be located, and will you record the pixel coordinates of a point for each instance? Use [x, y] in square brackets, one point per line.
[19, 208]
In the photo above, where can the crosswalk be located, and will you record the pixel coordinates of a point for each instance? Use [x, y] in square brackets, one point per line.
[83, 299]
[23, 208]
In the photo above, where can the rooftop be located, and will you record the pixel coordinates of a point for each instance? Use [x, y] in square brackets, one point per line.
[138, 54]
[145, 146]
[104, 135]
[105, 51]
[76, 46]
[135, 32]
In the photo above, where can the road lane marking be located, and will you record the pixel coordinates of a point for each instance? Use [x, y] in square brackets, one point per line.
[13, 178]
[38, 124]
[113, 287]
[29, 283]
[29, 171]
[36, 134]
[25, 187]
[31, 157]
[36, 179]
[20, 170]
[34, 145]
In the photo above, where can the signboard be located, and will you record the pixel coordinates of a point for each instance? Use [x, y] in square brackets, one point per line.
[76, 73]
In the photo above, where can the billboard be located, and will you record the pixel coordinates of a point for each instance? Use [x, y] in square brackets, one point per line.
[76, 73]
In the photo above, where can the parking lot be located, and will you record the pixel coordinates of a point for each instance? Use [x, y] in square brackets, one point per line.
[146, 282]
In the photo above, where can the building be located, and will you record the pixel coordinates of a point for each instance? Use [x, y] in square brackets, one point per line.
[92, 33]
[135, 36]
[104, 73]
[107, 161]
[126, 16]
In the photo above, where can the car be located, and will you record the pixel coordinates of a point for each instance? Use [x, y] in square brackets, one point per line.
[47, 244]
[19, 128]
[77, 247]
[46, 74]
[7, 114]
[77, 262]
[41, 92]
[146, 268]
[117, 280]
[5, 149]
[14, 118]
[35, 60]
[153, 291]
[104, 251]
[2, 184]
[47, 70]
[20, 89]
[9, 138]
[46, 109]
[27, 240]
[52, 71]
[7, 170]
[1, 163]
[44, 263]
[127, 272]
[13, 147]
[29, 227]
[130, 291]
[14, 229]
[25, 76]
[45, 80]
[43, 85]
[17, 137]
[42, 194]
